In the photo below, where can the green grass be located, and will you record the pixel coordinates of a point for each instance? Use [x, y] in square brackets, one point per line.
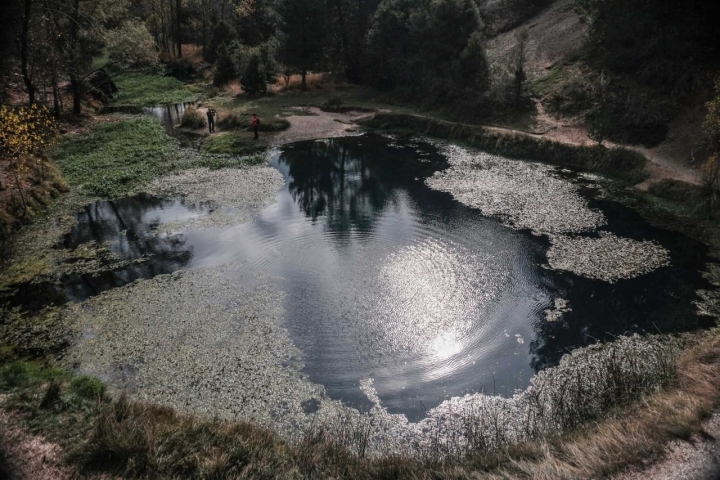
[232, 143]
[148, 90]
[120, 157]
[116, 157]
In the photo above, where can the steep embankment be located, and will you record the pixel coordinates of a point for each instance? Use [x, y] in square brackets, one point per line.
[553, 51]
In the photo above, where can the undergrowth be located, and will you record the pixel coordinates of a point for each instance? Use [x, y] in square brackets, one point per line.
[192, 118]
[232, 143]
[117, 158]
[149, 90]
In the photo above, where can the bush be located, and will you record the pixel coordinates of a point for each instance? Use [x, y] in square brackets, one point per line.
[89, 388]
[192, 118]
[182, 69]
[15, 374]
[626, 112]
[253, 77]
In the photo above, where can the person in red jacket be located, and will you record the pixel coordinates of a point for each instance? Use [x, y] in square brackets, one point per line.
[255, 124]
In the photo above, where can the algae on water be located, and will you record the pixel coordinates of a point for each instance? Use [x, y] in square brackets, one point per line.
[529, 195]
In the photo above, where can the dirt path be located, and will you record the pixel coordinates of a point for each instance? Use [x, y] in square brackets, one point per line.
[319, 124]
[659, 166]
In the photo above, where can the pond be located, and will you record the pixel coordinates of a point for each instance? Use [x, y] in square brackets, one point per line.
[387, 279]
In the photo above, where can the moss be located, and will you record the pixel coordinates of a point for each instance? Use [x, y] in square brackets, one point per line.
[33, 334]
[25, 271]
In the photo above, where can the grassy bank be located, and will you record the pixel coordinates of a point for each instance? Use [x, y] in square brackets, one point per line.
[148, 90]
[617, 162]
[119, 157]
[116, 157]
[114, 435]
[41, 184]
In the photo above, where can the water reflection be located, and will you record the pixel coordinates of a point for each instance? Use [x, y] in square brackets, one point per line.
[387, 279]
[439, 300]
[126, 227]
[169, 115]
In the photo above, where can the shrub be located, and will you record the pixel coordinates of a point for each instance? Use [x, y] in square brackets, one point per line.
[89, 388]
[15, 374]
[253, 77]
[192, 118]
[181, 68]
[626, 112]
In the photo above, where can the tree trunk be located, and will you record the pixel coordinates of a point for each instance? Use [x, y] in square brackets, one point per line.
[56, 96]
[76, 85]
[350, 70]
[25, 51]
[171, 32]
[75, 81]
[22, 196]
[178, 32]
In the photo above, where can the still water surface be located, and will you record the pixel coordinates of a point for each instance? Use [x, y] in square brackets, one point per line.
[387, 279]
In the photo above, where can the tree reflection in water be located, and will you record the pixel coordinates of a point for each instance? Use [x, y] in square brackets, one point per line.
[127, 226]
[349, 184]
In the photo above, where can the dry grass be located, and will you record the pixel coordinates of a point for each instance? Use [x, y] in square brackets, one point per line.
[133, 439]
[148, 441]
[193, 53]
[313, 80]
[633, 436]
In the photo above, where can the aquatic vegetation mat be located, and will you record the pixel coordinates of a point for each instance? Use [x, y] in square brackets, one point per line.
[607, 257]
[534, 196]
[203, 341]
[527, 195]
[234, 195]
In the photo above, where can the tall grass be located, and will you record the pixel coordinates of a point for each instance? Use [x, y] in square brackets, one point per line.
[503, 438]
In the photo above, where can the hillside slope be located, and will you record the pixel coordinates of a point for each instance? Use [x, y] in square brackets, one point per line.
[555, 38]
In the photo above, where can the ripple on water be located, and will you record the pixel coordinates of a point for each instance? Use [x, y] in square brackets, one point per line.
[379, 277]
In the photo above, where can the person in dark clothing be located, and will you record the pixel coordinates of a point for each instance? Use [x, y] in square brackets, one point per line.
[211, 119]
[255, 124]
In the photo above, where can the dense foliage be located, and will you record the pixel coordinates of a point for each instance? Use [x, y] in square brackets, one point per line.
[430, 49]
[653, 54]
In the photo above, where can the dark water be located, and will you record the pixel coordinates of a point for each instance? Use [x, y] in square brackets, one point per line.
[388, 279]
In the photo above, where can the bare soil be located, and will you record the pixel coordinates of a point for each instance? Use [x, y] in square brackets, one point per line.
[29, 457]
